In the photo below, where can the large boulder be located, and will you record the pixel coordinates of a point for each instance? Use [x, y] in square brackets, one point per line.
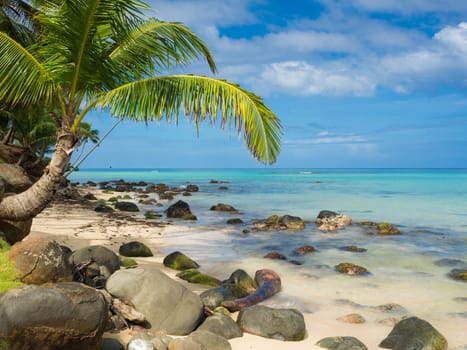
[99, 255]
[168, 305]
[281, 324]
[180, 210]
[59, 316]
[414, 333]
[14, 179]
[40, 261]
[15, 231]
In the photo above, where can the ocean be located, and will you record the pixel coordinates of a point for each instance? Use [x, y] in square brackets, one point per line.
[429, 206]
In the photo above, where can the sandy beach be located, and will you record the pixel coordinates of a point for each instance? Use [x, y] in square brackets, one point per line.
[78, 225]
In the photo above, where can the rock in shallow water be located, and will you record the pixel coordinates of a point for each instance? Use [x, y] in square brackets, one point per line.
[341, 343]
[351, 269]
[414, 333]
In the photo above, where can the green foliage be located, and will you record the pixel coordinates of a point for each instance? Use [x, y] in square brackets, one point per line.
[9, 277]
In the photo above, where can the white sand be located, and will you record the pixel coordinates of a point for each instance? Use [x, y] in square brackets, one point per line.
[77, 227]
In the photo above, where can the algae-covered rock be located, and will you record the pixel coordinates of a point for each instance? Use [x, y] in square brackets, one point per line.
[135, 249]
[194, 276]
[223, 207]
[179, 261]
[243, 280]
[341, 343]
[353, 249]
[387, 229]
[305, 249]
[126, 206]
[351, 269]
[151, 215]
[292, 222]
[414, 333]
[458, 274]
[127, 262]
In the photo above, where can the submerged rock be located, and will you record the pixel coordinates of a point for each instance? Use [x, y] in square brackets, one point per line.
[234, 221]
[306, 249]
[223, 207]
[292, 222]
[414, 333]
[351, 269]
[275, 256]
[458, 274]
[387, 229]
[353, 249]
[341, 343]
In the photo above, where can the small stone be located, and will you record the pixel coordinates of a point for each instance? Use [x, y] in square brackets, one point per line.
[306, 249]
[352, 318]
[234, 221]
[353, 249]
[458, 275]
[386, 228]
[275, 256]
[351, 269]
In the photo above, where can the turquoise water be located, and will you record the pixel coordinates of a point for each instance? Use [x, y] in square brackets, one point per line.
[429, 206]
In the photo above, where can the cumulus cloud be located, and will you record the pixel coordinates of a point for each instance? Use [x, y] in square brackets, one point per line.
[409, 6]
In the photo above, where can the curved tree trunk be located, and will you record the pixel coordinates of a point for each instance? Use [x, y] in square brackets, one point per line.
[28, 204]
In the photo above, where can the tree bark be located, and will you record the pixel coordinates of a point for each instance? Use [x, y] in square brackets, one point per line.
[28, 204]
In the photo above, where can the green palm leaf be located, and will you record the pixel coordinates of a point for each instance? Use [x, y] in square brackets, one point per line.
[159, 45]
[201, 98]
[22, 77]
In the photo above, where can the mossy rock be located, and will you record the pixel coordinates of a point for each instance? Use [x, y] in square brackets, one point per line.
[367, 223]
[341, 343]
[385, 228]
[351, 269]
[127, 262]
[108, 192]
[189, 217]
[179, 261]
[235, 221]
[458, 274]
[194, 276]
[135, 249]
[243, 280]
[151, 215]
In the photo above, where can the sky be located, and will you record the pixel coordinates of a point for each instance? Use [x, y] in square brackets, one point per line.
[355, 83]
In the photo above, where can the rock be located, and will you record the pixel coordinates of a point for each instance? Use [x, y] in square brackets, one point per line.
[179, 261]
[281, 324]
[450, 262]
[269, 283]
[235, 221]
[151, 215]
[102, 208]
[99, 255]
[111, 344]
[39, 261]
[166, 304]
[126, 206]
[178, 210]
[194, 276]
[66, 315]
[353, 249]
[90, 197]
[390, 307]
[243, 280]
[414, 333]
[147, 341]
[218, 181]
[128, 311]
[127, 262]
[214, 297]
[351, 269]
[223, 188]
[331, 221]
[292, 222]
[135, 249]
[185, 344]
[222, 325]
[192, 188]
[458, 274]
[223, 207]
[306, 249]
[209, 340]
[275, 256]
[386, 228]
[341, 343]
[15, 231]
[14, 179]
[352, 318]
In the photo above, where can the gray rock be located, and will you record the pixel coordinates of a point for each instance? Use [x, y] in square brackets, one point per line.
[414, 333]
[223, 207]
[214, 297]
[167, 304]
[147, 341]
[341, 343]
[135, 249]
[15, 231]
[39, 261]
[126, 206]
[222, 325]
[281, 324]
[100, 255]
[66, 315]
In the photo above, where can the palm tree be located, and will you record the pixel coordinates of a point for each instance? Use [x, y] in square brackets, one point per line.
[106, 54]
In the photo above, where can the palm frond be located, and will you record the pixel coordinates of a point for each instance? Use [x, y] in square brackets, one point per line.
[202, 98]
[23, 79]
[159, 45]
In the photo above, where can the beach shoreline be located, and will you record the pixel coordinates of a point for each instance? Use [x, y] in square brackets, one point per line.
[78, 225]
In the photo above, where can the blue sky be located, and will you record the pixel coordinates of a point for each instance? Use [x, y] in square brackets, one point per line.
[356, 83]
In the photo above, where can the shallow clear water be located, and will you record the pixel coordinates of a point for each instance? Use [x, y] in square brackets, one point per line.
[429, 206]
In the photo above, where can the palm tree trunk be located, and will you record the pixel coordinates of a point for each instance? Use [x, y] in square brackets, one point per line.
[31, 202]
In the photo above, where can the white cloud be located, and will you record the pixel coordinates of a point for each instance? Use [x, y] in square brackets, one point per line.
[454, 38]
[302, 78]
[410, 6]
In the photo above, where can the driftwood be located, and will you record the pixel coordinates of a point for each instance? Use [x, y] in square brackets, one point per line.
[269, 283]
